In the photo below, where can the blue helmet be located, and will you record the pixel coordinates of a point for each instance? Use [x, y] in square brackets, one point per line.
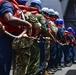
[74, 33]
[70, 29]
[64, 28]
[37, 2]
[59, 21]
[45, 9]
[22, 0]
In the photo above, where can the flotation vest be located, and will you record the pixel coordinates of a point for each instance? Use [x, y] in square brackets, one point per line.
[46, 17]
[1, 0]
[28, 8]
[51, 25]
[66, 33]
[33, 10]
[11, 28]
[74, 41]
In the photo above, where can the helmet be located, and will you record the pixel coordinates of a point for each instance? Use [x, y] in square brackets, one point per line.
[51, 12]
[64, 28]
[22, 0]
[37, 2]
[45, 9]
[56, 13]
[59, 21]
[70, 29]
[74, 33]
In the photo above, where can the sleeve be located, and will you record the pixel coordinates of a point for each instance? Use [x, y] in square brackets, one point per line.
[70, 37]
[6, 7]
[42, 20]
[58, 36]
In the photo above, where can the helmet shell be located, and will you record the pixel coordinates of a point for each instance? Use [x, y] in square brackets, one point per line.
[56, 13]
[45, 9]
[51, 12]
[22, 0]
[37, 2]
[59, 21]
[70, 29]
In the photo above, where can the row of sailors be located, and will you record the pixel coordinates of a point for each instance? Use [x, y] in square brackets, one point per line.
[38, 22]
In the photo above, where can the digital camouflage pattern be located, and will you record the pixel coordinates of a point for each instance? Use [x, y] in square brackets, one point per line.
[32, 19]
[21, 56]
[21, 60]
[20, 43]
[47, 51]
[26, 57]
[54, 28]
[37, 20]
[42, 20]
[34, 60]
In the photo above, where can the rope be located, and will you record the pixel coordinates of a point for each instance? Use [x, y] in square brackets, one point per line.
[13, 36]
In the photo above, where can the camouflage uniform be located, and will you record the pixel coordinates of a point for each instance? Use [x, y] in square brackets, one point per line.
[32, 19]
[41, 19]
[35, 52]
[26, 61]
[34, 60]
[21, 56]
[54, 28]
[22, 52]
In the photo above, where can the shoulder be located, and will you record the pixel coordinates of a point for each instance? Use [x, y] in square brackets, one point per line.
[6, 7]
[39, 15]
[5, 3]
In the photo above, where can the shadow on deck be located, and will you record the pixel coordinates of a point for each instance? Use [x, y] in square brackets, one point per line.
[71, 72]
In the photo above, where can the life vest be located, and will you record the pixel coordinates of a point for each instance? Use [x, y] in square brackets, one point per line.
[11, 28]
[33, 10]
[66, 33]
[1, 0]
[27, 8]
[46, 17]
[74, 41]
[51, 25]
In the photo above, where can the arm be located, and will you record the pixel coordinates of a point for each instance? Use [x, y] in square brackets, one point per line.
[11, 20]
[51, 36]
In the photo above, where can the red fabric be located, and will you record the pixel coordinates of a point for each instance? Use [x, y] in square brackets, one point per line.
[1, 0]
[47, 17]
[66, 36]
[67, 40]
[59, 25]
[73, 43]
[2, 20]
[11, 28]
[75, 36]
[28, 8]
